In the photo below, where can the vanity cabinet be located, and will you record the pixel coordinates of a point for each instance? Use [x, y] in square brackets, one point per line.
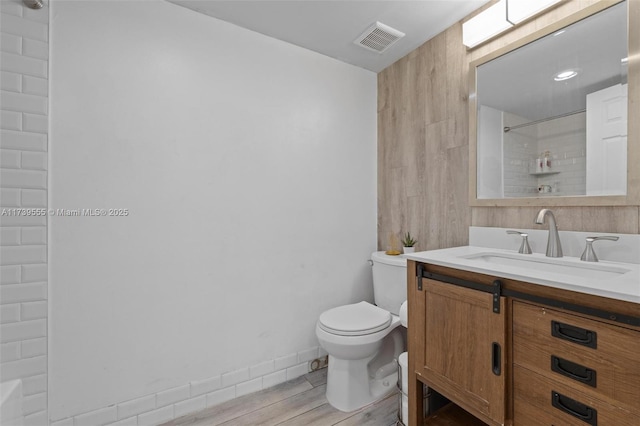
[516, 353]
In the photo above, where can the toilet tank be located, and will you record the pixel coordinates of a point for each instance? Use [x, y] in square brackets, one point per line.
[389, 281]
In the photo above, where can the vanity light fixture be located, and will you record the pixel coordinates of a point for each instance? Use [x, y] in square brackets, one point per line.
[521, 10]
[565, 75]
[500, 17]
[485, 25]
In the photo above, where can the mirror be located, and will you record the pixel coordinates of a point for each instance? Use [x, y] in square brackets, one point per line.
[551, 114]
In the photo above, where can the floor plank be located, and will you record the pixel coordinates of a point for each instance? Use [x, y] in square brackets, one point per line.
[299, 402]
[245, 404]
[318, 377]
[283, 410]
[382, 413]
[323, 415]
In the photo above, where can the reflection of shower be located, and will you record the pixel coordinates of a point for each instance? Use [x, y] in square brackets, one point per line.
[507, 128]
[33, 4]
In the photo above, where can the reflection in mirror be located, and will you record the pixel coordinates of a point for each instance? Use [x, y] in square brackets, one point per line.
[552, 115]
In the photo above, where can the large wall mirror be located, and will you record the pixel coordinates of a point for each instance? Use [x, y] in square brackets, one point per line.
[549, 115]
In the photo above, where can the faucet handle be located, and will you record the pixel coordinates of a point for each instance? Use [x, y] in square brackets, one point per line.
[589, 255]
[524, 247]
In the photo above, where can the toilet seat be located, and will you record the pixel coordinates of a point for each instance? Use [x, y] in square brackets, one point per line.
[357, 319]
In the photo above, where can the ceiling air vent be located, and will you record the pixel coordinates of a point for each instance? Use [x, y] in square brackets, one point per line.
[378, 37]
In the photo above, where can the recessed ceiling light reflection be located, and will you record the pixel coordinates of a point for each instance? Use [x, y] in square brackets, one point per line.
[565, 75]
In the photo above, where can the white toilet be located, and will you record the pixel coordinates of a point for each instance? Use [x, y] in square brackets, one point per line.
[364, 341]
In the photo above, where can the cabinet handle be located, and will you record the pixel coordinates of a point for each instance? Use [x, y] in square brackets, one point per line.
[573, 371]
[574, 408]
[496, 356]
[571, 333]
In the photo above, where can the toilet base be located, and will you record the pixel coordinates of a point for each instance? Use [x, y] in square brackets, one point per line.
[349, 386]
[362, 369]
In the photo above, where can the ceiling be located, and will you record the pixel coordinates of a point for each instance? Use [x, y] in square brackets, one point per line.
[522, 81]
[330, 27]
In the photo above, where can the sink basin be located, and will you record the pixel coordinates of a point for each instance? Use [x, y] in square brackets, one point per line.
[575, 268]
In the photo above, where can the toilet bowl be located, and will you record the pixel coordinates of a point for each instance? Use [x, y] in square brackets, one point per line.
[364, 341]
[362, 367]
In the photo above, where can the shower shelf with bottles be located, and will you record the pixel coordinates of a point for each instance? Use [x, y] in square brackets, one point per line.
[543, 173]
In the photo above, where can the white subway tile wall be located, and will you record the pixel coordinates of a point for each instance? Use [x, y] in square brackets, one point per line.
[202, 387]
[251, 386]
[564, 138]
[171, 396]
[196, 396]
[234, 377]
[98, 417]
[24, 54]
[274, 378]
[156, 417]
[191, 405]
[136, 406]
[65, 422]
[262, 369]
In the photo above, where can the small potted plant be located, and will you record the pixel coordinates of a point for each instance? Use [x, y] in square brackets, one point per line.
[408, 243]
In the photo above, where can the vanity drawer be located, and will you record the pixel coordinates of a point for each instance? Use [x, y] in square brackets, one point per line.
[539, 401]
[598, 359]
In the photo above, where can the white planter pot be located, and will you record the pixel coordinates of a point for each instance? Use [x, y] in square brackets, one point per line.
[408, 249]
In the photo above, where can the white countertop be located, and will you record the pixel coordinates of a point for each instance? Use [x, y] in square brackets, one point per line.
[623, 286]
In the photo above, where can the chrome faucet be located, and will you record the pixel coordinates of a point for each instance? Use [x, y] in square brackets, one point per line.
[525, 248]
[554, 248]
[588, 255]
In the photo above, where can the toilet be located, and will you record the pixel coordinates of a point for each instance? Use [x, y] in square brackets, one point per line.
[364, 341]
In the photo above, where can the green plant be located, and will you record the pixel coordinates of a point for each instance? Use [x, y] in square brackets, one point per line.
[408, 241]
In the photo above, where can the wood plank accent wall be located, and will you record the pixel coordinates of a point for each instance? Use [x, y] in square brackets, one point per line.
[423, 175]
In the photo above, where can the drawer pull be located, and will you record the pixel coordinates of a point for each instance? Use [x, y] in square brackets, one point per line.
[574, 334]
[496, 357]
[574, 408]
[573, 371]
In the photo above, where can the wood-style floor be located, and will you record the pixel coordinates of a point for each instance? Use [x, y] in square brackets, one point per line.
[299, 402]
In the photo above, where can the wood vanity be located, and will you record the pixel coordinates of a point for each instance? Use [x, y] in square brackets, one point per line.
[512, 352]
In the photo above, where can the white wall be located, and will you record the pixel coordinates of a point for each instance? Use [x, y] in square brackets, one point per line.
[23, 186]
[520, 153]
[489, 154]
[247, 166]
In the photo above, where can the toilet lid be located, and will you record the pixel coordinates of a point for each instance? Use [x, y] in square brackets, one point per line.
[354, 320]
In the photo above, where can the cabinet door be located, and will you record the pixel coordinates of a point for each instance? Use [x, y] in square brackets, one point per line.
[463, 351]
